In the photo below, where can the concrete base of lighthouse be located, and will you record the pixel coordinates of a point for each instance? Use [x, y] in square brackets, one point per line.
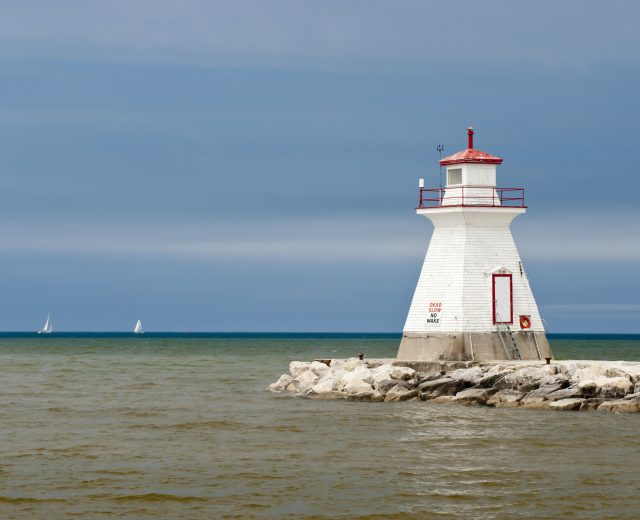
[470, 346]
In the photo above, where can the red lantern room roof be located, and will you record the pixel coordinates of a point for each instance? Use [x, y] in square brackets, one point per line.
[470, 155]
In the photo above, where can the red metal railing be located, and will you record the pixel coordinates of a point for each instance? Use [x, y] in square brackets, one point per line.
[471, 196]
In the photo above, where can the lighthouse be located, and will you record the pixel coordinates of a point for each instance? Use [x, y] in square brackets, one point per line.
[473, 300]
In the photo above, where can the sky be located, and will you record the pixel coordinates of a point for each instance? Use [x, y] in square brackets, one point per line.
[253, 166]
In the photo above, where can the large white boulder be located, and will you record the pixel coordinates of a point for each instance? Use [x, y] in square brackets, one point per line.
[535, 373]
[572, 403]
[600, 379]
[281, 384]
[324, 386]
[402, 373]
[381, 373]
[305, 381]
[632, 368]
[352, 364]
[468, 375]
[297, 367]
[364, 373]
[336, 364]
[555, 380]
[533, 398]
[495, 369]
[605, 386]
[616, 387]
[489, 379]
[319, 368]
[526, 377]
[472, 396]
[356, 382]
[621, 406]
[400, 393]
[505, 399]
[580, 372]
[336, 377]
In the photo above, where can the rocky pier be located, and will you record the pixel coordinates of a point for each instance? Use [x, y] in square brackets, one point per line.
[612, 386]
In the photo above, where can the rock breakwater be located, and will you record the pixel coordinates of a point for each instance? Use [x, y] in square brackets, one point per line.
[564, 385]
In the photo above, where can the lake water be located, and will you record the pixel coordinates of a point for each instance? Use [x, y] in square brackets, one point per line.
[175, 426]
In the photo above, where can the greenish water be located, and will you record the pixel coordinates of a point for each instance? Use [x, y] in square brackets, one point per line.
[175, 426]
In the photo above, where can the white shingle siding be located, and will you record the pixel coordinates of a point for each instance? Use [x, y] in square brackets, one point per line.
[468, 245]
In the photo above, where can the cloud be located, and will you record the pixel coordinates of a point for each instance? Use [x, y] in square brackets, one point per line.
[366, 239]
[331, 240]
[607, 235]
[592, 311]
[300, 32]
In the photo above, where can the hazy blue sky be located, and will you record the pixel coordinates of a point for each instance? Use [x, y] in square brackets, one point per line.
[252, 165]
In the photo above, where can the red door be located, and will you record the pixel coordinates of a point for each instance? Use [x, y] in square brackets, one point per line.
[502, 292]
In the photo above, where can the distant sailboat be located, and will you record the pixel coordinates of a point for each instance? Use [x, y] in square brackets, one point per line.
[47, 328]
[138, 328]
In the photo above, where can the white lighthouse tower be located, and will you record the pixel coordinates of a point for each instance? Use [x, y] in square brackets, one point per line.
[473, 300]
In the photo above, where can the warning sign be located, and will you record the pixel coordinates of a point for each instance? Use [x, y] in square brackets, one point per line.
[433, 317]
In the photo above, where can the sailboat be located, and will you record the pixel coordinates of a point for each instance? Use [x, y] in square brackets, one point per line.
[138, 328]
[47, 328]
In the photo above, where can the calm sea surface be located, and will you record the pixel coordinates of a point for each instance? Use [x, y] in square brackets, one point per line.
[175, 426]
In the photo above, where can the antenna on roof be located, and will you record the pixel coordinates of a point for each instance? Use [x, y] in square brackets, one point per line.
[440, 149]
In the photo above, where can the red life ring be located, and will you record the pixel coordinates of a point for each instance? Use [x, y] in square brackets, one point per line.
[525, 322]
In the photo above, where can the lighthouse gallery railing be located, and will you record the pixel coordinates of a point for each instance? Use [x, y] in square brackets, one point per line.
[470, 195]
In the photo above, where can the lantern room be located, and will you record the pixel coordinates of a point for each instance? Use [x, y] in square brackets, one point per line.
[471, 167]
[470, 181]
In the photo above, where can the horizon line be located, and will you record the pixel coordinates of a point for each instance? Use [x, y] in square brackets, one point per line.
[187, 332]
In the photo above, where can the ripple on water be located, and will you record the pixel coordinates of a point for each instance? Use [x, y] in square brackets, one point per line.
[150, 497]
[190, 425]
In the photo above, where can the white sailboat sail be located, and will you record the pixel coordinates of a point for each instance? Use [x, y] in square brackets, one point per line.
[138, 328]
[47, 328]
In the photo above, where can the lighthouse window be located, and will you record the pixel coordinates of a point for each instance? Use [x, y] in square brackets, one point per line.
[454, 176]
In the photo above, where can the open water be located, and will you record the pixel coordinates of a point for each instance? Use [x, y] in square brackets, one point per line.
[175, 426]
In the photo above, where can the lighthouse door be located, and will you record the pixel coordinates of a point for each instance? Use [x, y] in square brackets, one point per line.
[502, 298]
